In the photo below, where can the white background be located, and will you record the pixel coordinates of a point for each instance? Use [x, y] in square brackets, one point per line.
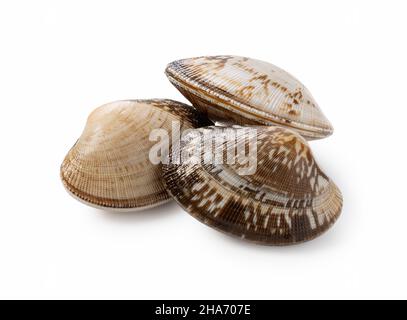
[59, 60]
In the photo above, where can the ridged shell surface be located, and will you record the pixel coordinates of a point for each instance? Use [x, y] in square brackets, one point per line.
[248, 91]
[286, 200]
[109, 165]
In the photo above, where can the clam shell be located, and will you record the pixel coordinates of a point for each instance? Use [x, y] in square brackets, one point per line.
[248, 91]
[287, 200]
[109, 166]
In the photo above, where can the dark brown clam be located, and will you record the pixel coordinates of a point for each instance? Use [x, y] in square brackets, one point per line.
[286, 199]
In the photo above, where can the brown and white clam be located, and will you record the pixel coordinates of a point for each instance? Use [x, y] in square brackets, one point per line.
[287, 200]
[247, 91]
[109, 165]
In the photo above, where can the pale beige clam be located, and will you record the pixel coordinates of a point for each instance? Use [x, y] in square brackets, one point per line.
[109, 165]
[286, 199]
[245, 91]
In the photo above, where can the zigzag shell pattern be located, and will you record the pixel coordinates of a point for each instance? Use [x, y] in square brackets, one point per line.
[109, 166]
[287, 200]
[248, 91]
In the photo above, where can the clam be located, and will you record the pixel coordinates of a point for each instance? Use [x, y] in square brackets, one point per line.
[247, 91]
[286, 199]
[109, 165]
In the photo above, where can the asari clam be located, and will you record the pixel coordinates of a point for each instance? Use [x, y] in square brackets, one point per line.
[109, 166]
[245, 91]
[287, 200]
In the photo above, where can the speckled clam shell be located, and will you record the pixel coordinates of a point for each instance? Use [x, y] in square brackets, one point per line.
[287, 200]
[248, 91]
[109, 166]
